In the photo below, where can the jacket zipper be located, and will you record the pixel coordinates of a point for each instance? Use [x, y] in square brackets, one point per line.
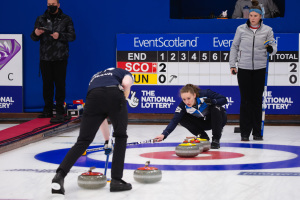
[254, 33]
[253, 51]
[198, 108]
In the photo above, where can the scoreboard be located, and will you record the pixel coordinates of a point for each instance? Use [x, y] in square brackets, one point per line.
[162, 63]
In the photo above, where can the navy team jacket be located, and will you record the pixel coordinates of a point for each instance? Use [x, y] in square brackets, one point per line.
[201, 111]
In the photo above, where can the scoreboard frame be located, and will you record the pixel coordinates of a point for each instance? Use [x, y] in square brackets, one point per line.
[162, 63]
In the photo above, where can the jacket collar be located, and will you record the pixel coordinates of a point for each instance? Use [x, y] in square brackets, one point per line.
[248, 23]
[47, 14]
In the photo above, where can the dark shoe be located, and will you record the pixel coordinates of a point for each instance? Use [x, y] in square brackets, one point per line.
[203, 135]
[258, 138]
[245, 139]
[58, 184]
[215, 144]
[58, 119]
[45, 115]
[119, 185]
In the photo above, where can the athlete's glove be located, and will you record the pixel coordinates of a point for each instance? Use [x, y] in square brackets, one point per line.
[108, 148]
[268, 46]
[209, 101]
[269, 49]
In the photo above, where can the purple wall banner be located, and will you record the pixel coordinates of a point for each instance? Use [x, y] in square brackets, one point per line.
[11, 73]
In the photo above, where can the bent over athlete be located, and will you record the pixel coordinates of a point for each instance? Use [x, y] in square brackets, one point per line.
[198, 111]
[107, 94]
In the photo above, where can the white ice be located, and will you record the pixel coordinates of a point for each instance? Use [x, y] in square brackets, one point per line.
[21, 176]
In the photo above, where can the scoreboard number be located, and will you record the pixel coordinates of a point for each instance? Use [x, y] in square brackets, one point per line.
[194, 56]
[162, 67]
[162, 78]
[173, 56]
[204, 57]
[293, 77]
[183, 56]
[162, 70]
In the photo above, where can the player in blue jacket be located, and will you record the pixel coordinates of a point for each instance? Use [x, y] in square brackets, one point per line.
[199, 110]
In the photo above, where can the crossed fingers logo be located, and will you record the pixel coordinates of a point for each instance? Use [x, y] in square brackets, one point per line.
[132, 100]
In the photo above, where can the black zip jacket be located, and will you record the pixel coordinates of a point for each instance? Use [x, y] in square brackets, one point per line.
[51, 49]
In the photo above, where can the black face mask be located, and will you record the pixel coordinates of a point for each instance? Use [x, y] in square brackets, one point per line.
[52, 9]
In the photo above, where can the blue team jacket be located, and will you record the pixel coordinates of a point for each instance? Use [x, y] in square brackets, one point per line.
[202, 110]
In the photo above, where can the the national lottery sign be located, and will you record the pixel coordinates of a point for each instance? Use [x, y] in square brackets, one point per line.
[162, 63]
[11, 73]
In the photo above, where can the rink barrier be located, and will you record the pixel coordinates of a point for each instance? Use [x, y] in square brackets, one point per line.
[37, 134]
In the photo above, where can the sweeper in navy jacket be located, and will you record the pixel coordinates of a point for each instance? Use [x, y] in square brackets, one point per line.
[107, 94]
[198, 111]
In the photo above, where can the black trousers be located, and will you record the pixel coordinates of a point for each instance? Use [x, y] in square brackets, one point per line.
[101, 103]
[215, 122]
[54, 74]
[251, 85]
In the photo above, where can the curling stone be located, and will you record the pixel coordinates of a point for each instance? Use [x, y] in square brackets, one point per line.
[189, 139]
[187, 150]
[92, 180]
[193, 140]
[147, 174]
[205, 143]
[199, 144]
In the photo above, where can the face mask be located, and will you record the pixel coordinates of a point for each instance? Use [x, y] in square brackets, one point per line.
[52, 9]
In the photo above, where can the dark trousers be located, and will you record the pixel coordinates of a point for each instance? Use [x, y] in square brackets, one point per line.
[54, 74]
[251, 84]
[215, 121]
[101, 103]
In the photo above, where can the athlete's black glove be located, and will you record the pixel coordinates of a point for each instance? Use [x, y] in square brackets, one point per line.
[209, 101]
[269, 49]
[108, 148]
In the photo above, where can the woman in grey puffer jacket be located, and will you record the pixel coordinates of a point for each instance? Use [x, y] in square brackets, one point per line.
[249, 54]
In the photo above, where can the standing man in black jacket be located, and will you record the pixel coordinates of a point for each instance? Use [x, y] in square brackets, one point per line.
[54, 30]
